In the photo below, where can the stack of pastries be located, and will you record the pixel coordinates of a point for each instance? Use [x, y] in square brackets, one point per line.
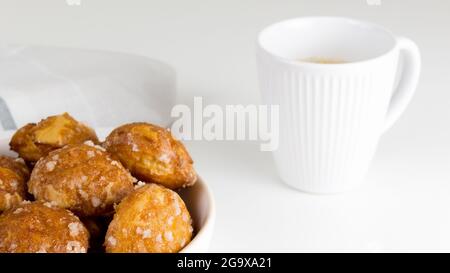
[68, 192]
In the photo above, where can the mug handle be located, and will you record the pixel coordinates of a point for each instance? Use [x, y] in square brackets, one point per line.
[410, 57]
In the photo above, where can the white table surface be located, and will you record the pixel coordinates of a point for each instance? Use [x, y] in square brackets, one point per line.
[405, 202]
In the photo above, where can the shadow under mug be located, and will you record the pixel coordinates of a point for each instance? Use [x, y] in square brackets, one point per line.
[332, 115]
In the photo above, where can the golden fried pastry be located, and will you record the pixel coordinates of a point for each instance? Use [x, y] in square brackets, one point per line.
[34, 141]
[82, 178]
[41, 227]
[17, 165]
[150, 219]
[13, 177]
[152, 155]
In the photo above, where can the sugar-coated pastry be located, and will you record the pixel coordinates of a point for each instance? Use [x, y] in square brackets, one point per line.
[152, 219]
[40, 228]
[16, 164]
[13, 177]
[34, 141]
[82, 178]
[152, 155]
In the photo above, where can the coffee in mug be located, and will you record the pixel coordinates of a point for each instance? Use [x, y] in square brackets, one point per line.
[323, 60]
[333, 111]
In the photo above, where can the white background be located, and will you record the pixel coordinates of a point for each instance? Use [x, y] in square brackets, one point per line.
[405, 203]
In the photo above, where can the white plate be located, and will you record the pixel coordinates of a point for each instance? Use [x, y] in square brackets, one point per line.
[198, 199]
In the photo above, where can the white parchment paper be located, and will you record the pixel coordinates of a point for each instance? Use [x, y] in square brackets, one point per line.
[103, 89]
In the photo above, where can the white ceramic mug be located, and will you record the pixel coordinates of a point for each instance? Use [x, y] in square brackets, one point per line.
[332, 115]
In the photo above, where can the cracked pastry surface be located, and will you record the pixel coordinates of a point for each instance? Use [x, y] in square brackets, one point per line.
[13, 177]
[34, 141]
[152, 155]
[82, 178]
[40, 228]
[152, 219]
